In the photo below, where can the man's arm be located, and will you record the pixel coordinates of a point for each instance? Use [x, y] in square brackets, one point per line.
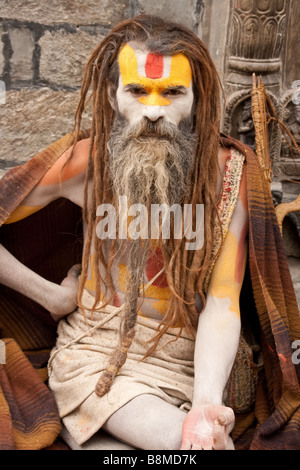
[209, 422]
[64, 179]
[59, 300]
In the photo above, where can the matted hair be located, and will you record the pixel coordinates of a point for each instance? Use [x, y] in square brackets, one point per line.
[185, 269]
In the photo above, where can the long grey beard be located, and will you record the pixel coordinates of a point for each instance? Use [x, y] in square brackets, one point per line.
[150, 161]
[150, 164]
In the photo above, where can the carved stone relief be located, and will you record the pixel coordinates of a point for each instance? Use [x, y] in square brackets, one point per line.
[258, 27]
[256, 41]
[256, 44]
[291, 118]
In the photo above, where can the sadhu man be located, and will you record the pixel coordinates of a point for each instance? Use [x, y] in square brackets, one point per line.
[148, 353]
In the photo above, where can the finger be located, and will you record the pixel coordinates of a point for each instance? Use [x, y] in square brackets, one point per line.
[72, 276]
[226, 417]
[75, 270]
[230, 444]
[205, 447]
[198, 447]
[186, 445]
[219, 437]
[56, 318]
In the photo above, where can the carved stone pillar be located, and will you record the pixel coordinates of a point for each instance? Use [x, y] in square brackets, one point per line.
[288, 166]
[257, 31]
[263, 39]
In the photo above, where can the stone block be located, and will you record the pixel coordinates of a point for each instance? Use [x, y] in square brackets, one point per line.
[22, 44]
[213, 29]
[172, 10]
[2, 61]
[291, 71]
[32, 119]
[89, 12]
[64, 56]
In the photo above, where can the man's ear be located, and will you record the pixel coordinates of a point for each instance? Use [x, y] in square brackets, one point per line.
[111, 94]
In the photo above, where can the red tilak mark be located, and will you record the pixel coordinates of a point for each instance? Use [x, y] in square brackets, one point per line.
[154, 67]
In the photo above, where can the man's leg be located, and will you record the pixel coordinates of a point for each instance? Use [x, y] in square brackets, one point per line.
[147, 422]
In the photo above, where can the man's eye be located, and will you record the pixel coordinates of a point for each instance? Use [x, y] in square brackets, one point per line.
[173, 92]
[137, 91]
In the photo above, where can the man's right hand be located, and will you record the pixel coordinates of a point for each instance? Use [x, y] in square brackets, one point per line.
[65, 300]
[57, 299]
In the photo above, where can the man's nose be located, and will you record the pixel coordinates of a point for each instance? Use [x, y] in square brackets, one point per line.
[153, 112]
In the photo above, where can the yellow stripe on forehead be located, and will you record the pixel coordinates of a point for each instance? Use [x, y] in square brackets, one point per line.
[180, 75]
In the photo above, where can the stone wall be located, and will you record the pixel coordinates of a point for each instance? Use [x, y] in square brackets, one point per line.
[45, 45]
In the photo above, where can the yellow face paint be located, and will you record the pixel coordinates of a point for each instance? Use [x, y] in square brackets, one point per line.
[154, 73]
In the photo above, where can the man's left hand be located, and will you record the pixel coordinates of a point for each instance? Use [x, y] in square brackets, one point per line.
[208, 427]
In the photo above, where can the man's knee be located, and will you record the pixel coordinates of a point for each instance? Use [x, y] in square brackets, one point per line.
[149, 423]
[173, 438]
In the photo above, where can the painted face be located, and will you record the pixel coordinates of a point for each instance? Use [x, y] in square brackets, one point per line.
[154, 86]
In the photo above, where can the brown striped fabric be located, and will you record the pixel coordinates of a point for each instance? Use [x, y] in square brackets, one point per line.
[28, 416]
[50, 241]
[276, 418]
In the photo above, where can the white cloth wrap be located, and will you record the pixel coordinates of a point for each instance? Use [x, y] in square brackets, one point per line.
[75, 368]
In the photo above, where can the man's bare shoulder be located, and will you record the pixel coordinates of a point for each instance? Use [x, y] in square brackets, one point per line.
[64, 179]
[71, 164]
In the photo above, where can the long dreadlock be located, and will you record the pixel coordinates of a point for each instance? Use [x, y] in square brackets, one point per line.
[185, 270]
